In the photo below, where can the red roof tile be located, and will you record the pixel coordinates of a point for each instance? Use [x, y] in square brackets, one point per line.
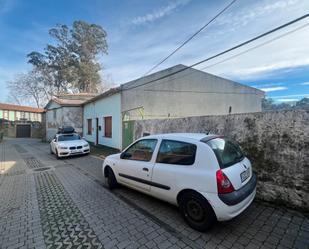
[11, 107]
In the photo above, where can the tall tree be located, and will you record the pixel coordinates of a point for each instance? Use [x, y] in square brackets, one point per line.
[71, 64]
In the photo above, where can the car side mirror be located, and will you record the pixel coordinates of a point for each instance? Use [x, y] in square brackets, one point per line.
[125, 155]
[54, 140]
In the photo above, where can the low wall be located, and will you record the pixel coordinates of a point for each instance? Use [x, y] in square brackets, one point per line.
[277, 143]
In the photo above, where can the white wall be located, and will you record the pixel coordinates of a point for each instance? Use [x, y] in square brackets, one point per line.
[188, 93]
[108, 106]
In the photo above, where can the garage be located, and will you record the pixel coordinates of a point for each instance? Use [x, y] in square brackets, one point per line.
[23, 130]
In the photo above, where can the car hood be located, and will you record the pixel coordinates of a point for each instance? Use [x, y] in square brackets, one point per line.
[72, 143]
[113, 156]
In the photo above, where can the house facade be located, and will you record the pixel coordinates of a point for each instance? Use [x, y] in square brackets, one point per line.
[188, 93]
[65, 110]
[21, 121]
[102, 119]
[176, 92]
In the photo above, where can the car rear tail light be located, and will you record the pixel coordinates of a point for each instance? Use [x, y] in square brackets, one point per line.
[223, 183]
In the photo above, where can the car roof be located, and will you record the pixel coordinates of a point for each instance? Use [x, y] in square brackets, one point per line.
[66, 134]
[193, 136]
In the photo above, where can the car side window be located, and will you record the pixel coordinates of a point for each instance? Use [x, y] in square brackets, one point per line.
[141, 150]
[176, 152]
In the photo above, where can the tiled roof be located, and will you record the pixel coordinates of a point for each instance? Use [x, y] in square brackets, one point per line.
[10, 107]
[107, 93]
[73, 102]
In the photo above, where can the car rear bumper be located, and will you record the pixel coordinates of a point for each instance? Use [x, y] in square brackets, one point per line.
[231, 206]
[239, 195]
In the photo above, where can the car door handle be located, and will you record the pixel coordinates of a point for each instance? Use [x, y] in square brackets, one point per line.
[146, 169]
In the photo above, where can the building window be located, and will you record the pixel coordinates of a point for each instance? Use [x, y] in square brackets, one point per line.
[55, 113]
[107, 126]
[89, 122]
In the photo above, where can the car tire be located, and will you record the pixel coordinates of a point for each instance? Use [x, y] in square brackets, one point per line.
[110, 179]
[196, 211]
[56, 153]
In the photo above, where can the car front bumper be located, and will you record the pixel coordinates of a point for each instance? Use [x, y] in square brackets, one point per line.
[228, 206]
[68, 152]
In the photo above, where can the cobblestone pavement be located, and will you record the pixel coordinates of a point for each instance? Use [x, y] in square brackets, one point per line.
[49, 203]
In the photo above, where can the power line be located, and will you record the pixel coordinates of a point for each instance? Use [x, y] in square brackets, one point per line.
[257, 46]
[234, 56]
[190, 38]
[225, 51]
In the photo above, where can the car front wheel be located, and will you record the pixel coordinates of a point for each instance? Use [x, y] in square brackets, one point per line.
[196, 211]
[57, 155]
[110, 179]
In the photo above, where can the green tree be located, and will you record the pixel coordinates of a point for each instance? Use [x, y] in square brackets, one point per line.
[71, 64]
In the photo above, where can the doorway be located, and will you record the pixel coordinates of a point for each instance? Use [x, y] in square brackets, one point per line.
[23, 130]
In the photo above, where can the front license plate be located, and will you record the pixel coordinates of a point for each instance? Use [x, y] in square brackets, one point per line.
[75, 151]
[244, 175]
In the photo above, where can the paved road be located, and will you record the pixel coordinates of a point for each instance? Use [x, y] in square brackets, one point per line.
[49, 203]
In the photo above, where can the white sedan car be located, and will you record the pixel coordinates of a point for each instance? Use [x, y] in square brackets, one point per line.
[207, 176]
[68, 145]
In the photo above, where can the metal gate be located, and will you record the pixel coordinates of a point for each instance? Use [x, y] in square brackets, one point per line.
[23, 130]
[127, 133]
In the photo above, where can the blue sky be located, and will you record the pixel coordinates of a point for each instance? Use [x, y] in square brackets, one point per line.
[141, 32]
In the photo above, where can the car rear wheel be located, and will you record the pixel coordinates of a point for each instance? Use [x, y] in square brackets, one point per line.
[110, 179]
[196, 211]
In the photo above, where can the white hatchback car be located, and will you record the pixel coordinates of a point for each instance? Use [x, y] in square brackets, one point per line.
[68, 145]
[207, 176]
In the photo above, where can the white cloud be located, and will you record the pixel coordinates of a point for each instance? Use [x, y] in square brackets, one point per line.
[160, 13]
[304, 84]
[305, 95]
[287, 100]
[273, 89]
[267, 85]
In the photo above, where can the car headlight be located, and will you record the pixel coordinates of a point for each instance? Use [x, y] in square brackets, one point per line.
[86, 145]
[63, 148]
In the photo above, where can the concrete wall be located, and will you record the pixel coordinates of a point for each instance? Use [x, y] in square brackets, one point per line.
[188, 93]
[65, 116]
[277, 143]
[108, 106]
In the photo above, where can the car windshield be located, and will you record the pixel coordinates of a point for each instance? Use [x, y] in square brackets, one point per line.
[69, 137]
[227, 152]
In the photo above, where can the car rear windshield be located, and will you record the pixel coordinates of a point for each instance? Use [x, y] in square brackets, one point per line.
[227, 151]
[68, 137]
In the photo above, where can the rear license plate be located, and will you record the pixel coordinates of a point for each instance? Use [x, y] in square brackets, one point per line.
[245, 175]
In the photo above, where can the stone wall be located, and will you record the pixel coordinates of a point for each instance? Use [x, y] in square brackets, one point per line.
[277, 143]
[36, 129]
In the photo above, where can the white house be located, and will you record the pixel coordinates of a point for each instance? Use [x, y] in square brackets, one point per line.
[175, 92]
[102, 119]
